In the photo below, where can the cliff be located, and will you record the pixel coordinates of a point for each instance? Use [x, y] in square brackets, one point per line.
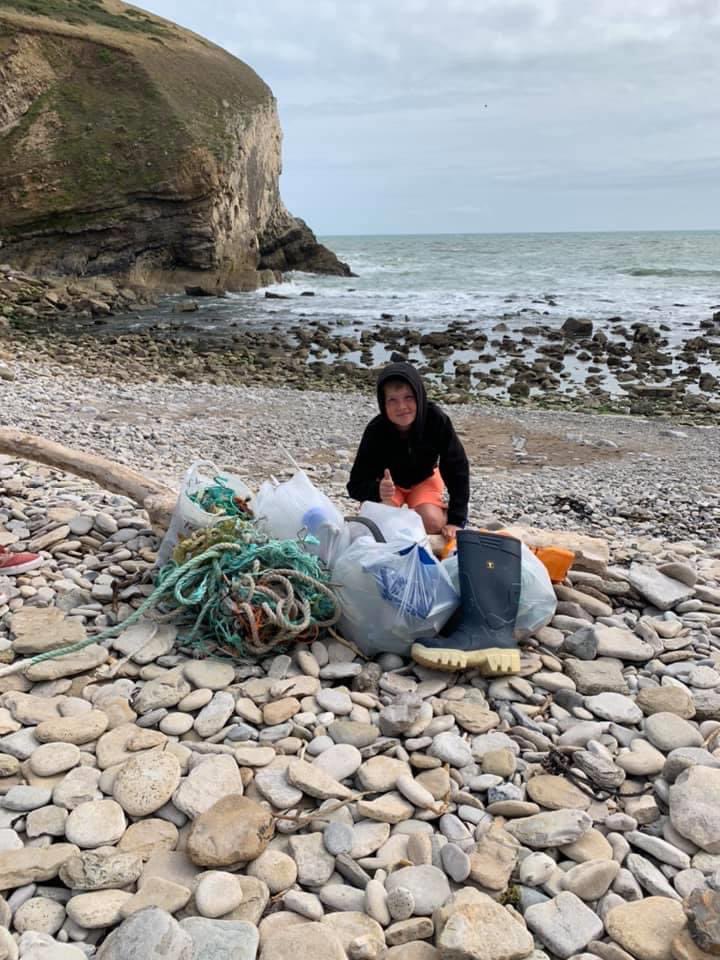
[131, 146]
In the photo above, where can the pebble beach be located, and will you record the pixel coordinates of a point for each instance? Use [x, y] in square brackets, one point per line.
[160, 805]
[243, 716]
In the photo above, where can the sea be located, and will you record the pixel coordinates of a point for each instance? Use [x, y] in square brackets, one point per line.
[665, 279]
[643, 277]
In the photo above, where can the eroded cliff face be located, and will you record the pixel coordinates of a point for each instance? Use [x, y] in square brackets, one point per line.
[129, 146]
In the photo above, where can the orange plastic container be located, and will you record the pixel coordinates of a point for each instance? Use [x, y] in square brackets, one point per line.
[556, 560]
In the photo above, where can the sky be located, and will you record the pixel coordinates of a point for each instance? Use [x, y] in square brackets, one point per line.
[468, 116]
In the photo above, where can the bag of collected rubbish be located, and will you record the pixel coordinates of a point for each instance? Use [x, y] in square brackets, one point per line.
[395, 522]
[285, 510]
[189, 514]
[391, 594]
[324, 538]
[537, 596]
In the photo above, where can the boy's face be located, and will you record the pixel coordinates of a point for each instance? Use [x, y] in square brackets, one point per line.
[400, 405]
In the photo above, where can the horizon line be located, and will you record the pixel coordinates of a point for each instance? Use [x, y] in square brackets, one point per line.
[516, 233]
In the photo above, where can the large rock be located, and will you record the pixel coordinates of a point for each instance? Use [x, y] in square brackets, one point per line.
[221, 939]
[255, 898]
[380, 774]
[235, 829]
[668, 731]
[494, 858]
[157, 892]
[564, 924]
[83, 661]
[695, 807]
[151, 934]
[208, 782]
[577, 327]
[472, 926]
[101, 908]
[556, 793]
[217, 893]
[146, 641]
[39, 629]
[666, 699]
[473, 717]
[166, 691]
[83, 728]
[95, 824]
[186, 185]
[215, 714]
[315, 782]
[80, 785]
[145, 784]
[314, 864]
[100, 871]
[658, 589]
[406, 716]
[554, 829]
[33, 864]
[702, 908]
[314, 940]
[149, 836]
[646, 928]
[596, 676]
[428, 885]
[340, 761]
[621, 643]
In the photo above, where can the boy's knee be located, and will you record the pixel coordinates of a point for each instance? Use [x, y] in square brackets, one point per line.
[434, 518]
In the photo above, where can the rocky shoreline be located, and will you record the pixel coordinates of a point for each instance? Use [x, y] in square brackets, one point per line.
[626, 369]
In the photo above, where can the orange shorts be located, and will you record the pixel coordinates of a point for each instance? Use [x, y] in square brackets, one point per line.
[431, 491]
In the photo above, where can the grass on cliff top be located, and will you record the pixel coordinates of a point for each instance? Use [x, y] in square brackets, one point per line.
[106, 134]
[81, 12]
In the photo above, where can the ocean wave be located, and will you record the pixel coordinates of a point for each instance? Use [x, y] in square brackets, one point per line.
[669, 272]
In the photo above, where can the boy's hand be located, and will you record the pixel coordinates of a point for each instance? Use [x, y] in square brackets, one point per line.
[387, 489]
[449, 531]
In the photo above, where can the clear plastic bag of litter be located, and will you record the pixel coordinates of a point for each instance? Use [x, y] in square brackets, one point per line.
[395, 523]
[188, 514]
[537, 596]
[391, 594]
[285, 510]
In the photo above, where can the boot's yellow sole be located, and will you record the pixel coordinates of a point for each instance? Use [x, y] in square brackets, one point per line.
[492, 662]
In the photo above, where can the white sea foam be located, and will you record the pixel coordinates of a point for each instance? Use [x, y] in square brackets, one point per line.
[520, 279]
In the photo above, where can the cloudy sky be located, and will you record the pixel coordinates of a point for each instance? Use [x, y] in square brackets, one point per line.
[429, 116]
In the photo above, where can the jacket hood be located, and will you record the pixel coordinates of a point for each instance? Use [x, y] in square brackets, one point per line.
[408, 373]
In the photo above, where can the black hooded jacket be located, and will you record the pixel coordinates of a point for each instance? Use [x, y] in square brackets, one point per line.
[411, 457]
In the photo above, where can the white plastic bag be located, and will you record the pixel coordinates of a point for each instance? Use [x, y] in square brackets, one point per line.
[411, 580]
[537, 596]
[391, 594]
[285, 509]
[188, 515]
[395, 523]
[326, 540]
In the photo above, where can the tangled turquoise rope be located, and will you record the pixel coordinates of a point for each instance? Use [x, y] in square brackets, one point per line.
[216, 590]
[220, 498]
[251, 597]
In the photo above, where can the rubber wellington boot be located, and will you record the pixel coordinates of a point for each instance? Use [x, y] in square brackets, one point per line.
[490, 578]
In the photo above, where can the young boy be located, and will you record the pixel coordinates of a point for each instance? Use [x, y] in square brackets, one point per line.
[410, 452]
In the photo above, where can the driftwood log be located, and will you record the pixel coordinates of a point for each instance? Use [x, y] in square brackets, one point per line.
[154, 497]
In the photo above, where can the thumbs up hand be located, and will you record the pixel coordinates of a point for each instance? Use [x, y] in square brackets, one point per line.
[387, 489]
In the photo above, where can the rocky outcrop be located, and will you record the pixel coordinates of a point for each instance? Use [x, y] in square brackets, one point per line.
[130, 146]
[288, 243]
